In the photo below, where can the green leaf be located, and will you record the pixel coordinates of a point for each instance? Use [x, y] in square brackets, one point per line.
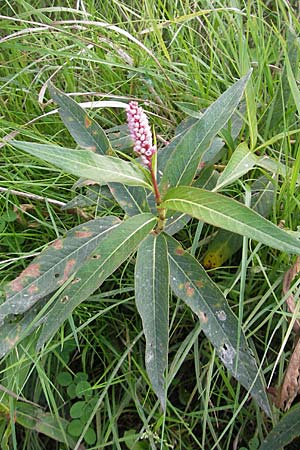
[75, 428]
[152, 301]
[226, 243]
[86, 164]
[190, 282]
[64, 378]
[110, 254]
[229, 214]
[240, 163]
[34, 418]
[83, 389]
[86, 132]
[284, 432]
[132, 199]
[51, 269]
[90, 436]
[185, 157]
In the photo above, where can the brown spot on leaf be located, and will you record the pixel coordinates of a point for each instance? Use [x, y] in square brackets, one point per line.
[92, 148]
[83, 234]
[189, 290]
[64, 299]
[32, 289]
[202, 316]
[68, 270]
[76, 280]
[12, 342]
[16, 285]
[87, 122]
[96, 256]
[58, 244]
[179, 251]
[199, 284]
[32, 271]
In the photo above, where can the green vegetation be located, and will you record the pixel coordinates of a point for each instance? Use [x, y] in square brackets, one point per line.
[87, 385]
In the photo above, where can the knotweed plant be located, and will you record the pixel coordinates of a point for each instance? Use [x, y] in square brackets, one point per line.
[159, 192]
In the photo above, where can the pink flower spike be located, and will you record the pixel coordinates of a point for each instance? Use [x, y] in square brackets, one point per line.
[140, 132]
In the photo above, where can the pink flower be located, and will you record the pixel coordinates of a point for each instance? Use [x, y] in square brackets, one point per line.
[140, 132]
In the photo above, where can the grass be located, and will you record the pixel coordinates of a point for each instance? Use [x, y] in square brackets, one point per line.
[175, 56]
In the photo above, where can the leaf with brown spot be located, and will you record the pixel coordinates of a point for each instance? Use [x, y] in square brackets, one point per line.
[54, 266]
[152, 301]
[218, 322]
[86, 132]
[121, 242]
[132, 199]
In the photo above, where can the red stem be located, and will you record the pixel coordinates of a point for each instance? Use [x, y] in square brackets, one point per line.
[156, 191]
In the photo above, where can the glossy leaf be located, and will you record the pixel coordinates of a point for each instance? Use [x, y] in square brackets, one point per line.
[51, 269]
[152, 301]
[86, 132]
[184, 160]
[84, 163]
[239, 164]
[284, 432]
[190, 282]
[105, 259]
[132, 199]
[229, 214]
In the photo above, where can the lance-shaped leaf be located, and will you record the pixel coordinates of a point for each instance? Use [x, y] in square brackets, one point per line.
[152, 301]
[86, 164]
[35, 418]
[226, 243]
[190, 282]
[105, 259]
[51, 269]
[132, 199]
[284, 432]
[229, 214]
[86, 132]
[185, 157]
[239, 164]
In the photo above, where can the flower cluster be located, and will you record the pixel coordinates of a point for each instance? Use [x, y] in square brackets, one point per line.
[140, 132]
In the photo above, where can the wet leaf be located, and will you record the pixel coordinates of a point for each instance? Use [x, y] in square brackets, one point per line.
[55, 265]
[110, 254]
[185, 157]
[86, 132]
[284, 432]
[86, 164]
[190, 282]
[152, 301]
[229, 214]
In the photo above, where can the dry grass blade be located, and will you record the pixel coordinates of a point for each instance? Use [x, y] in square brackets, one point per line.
[290, 387]
[288, 279]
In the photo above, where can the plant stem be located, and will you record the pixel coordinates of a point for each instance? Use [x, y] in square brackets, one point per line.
[156, 190]
[161, 211]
